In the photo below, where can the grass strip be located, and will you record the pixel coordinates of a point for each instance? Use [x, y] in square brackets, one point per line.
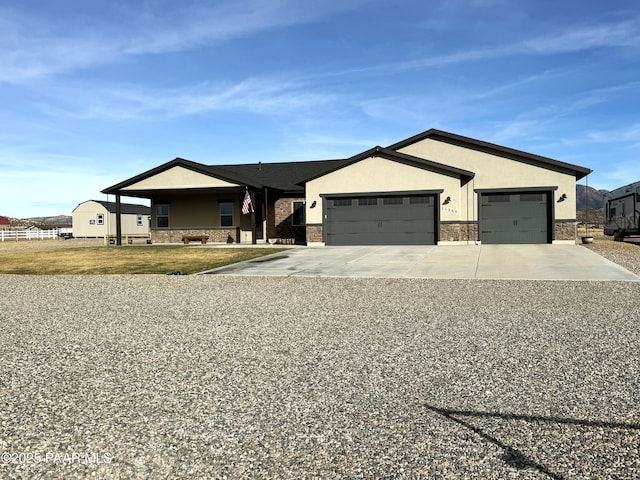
[125, 260]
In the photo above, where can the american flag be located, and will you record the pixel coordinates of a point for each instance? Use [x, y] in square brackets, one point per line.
[246, 204]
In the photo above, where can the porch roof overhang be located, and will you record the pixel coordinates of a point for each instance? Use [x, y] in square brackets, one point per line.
[180, 176]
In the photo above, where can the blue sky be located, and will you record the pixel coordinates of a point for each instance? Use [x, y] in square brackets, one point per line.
[96, 92]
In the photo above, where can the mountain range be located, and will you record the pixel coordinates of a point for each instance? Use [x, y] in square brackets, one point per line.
[589, 197]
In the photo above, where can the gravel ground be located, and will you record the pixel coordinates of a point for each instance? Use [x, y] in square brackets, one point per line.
[626, 254]
[229, 377]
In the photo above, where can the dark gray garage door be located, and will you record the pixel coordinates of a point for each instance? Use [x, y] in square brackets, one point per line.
[381, 220]
[521, 217]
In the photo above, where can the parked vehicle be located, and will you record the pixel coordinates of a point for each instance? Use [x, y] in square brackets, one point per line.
[65, 233]
[622, 212]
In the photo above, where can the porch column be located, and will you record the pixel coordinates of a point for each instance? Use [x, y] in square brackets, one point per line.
[254, 240]
[118, 220]
[265, 218]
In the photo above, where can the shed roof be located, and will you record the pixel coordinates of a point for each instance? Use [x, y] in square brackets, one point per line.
[127, 208]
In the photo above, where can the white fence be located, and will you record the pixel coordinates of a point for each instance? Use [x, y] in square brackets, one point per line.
[30, 234]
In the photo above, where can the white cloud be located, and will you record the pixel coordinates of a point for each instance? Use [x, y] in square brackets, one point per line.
[262, 95]
[34, 47]
[623, 34]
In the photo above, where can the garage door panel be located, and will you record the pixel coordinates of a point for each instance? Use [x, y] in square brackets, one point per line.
[385, 220]
[515, 218]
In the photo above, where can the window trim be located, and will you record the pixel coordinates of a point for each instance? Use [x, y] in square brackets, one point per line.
[99, 218]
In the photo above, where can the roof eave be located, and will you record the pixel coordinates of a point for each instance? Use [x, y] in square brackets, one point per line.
[389, 154]
[188, 164]
[500, 150]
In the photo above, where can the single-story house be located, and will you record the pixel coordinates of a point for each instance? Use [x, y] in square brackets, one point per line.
[433, 188]
[97, 218]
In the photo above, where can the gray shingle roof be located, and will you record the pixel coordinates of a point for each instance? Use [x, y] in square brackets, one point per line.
[127, 208]
[290, 176]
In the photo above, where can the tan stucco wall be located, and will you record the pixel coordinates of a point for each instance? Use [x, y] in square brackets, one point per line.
[497, 172]
[87, 211]
[378, 174]
[178, 177]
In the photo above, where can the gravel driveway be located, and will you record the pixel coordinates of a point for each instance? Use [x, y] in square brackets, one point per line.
[232, 377]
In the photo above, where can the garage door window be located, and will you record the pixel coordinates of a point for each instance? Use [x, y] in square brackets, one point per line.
[531, 197]
[363, 202]
[341, 202]
[392, 201]
[420, 200]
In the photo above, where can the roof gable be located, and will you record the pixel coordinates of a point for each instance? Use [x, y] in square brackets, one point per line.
[187, 173]
[392, 155]
[179, 176]
[493, 149]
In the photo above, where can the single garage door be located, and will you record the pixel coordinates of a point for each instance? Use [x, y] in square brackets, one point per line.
[381, 220]
[521, 217]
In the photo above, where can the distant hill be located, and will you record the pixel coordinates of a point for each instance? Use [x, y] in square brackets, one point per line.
[58, 220]
[589, 197]
[42, 222]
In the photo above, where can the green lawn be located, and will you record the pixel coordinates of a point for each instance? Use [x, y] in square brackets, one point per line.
[129, 259]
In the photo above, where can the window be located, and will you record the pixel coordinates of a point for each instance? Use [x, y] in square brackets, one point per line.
[100, 218]
[162, 215]
[420, 200]
[367, 201]
[341, 202]
[139, 220]
[531, 197]
[298, 216]
[226, 214]
[392, 200]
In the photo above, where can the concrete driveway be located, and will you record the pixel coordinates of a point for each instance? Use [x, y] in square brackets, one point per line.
[526, 262]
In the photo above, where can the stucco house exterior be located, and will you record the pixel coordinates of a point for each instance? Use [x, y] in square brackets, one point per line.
[96, 218]
[433, 188]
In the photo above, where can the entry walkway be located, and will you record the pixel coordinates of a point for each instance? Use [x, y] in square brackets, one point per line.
[526, 262]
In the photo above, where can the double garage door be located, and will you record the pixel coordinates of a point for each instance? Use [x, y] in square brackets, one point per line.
[515, 217]
[505, 218]
[381, 220]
